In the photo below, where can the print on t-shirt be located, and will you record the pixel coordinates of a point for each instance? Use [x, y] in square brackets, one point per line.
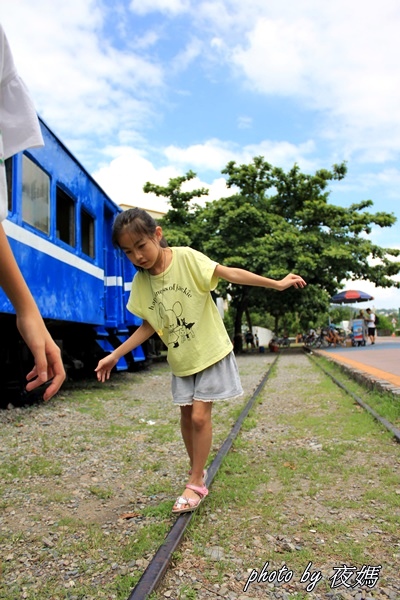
[179, 331]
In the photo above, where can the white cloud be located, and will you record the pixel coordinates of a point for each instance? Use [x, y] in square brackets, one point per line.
[186, 56]
[339, 58]
[276, 57]
[214, 154]
[143, 7]
[217, 189]
[245, 122]
[78, 79]
[383, 297]
[150, 38]
[336, 62]
[283, 154]
[124, 176]
[388, 178]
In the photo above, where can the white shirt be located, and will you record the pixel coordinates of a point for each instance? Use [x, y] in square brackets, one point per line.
[19, 124]
[370, 320]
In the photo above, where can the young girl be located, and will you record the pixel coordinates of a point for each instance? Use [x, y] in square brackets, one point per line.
[171, 293]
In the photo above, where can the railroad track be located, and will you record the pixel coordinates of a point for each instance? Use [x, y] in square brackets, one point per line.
[389, 426]
[156, 569]
[154, 573]
[290, 392]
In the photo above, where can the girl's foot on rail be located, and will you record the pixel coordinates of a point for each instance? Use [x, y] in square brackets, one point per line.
[185, 504]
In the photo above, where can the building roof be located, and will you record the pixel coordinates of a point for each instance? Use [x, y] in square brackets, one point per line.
[156, 214]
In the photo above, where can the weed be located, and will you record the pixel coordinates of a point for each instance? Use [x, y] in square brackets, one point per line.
[102, 493]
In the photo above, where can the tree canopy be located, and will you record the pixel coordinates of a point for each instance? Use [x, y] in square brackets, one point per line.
[276, 222]
[179, 220]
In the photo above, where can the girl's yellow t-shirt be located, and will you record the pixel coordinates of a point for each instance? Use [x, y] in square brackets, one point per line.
[178, 305]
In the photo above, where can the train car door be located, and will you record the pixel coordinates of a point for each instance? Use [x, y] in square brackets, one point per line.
[112, 276]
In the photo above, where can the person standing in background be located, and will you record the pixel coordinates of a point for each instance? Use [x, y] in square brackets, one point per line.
[371, 324]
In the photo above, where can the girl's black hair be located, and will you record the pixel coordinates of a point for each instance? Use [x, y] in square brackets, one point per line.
[136, 221]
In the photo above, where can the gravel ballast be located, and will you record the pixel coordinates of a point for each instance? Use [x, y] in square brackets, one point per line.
[87, 482]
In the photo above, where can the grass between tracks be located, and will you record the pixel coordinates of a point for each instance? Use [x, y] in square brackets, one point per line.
[321, 488]
[310, 489]
[91, 559]
[71, 467]
[386, 404]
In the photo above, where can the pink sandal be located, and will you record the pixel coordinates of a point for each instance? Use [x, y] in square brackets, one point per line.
[184, 504]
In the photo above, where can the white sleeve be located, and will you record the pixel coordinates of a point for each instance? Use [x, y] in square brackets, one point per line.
[19, 123]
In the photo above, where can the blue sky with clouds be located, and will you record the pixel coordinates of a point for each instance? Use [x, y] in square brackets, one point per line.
[143, 90]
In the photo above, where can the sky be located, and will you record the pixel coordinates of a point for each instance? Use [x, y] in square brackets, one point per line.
[144, 90]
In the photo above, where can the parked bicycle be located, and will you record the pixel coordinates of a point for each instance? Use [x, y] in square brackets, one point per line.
[316, 339]
[283, 342]
[327, 336]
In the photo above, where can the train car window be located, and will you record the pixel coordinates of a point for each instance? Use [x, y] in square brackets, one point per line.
[9, 174]
[87, 233]
[65, 217]
[35, 195]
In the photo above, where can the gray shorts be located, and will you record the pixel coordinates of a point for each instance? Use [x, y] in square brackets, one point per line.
[218, 382]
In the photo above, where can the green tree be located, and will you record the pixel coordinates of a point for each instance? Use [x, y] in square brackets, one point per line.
[304, 233]
[276, 223]
[385, 324]
[178, 221]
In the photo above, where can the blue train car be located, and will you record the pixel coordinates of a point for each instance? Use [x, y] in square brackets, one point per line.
[59, 226]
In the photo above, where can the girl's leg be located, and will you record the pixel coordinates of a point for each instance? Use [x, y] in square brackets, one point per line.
[202, 438]
[186, 430]
[196, 430]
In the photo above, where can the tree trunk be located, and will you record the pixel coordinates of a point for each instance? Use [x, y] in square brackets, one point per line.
[248, 319]
[240, 309]
[276, 325]
[238, 340]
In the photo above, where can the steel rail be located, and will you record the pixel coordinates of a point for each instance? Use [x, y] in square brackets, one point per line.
[389, 426]
[157, 567]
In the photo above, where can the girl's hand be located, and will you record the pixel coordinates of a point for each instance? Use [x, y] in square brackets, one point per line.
[291, 280]
[105, 367]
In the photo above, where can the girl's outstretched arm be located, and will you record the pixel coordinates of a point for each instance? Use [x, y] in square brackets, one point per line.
[107, 363]
[243, 277]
